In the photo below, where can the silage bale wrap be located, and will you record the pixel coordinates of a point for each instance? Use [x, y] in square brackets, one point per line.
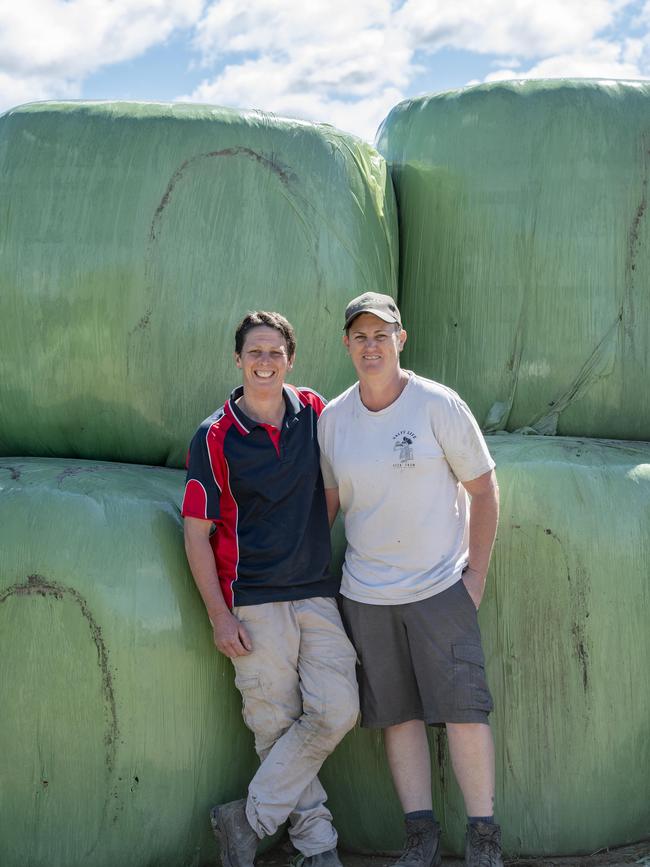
[565, 632]
[120, 723]
[136, 236]
[524, 250]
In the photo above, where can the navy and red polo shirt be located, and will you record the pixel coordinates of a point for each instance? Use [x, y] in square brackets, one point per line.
[263, 489]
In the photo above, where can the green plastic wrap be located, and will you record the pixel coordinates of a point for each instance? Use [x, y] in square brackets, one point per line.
[120, 724]
[525, 260]
[565, 631]
[134, 237]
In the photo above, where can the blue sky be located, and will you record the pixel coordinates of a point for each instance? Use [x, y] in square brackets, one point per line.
[345, 62]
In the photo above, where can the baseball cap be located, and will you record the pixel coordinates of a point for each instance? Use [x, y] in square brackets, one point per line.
[382, 306]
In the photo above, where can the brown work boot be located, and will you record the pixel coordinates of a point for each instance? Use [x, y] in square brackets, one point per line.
[422, 844]
[236, 838]
[483, 845]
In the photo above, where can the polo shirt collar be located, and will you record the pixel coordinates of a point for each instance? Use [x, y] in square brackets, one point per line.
[245, 424]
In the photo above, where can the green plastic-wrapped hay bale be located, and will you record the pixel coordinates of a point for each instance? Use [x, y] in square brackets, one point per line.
[135, 237]
[565, 630]
[525, 254]
[120, 724]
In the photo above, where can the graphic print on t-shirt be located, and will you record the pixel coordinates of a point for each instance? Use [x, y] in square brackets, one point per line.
[403, 442]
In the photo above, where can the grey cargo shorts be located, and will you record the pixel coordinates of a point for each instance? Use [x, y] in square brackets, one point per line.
[421, 660]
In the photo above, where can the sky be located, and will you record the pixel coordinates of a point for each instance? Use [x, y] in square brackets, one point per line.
[343, 62]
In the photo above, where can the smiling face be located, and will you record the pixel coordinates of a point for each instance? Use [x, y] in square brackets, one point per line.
[264, 360]
[374, 346]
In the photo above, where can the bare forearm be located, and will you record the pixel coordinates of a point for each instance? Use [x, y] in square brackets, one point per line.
[230, 636]
[483, 520]
[204, 571]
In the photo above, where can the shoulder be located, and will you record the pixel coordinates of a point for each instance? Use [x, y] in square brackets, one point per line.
[341, 403]
[438, 397]
[309, 397]
[208, 437]
[217, 416]
[448, 413]
[434, 390]
[337, 417]
[215, 424]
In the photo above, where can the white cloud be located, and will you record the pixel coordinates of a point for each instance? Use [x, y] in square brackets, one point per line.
[48, 46]
[16, 90]
[340, 62]
[598, 59]
[522, 28]
[279, 25]
[343, 62]
[269, 85]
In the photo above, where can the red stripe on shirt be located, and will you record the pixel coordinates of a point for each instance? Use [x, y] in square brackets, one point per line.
[195, 501]
[225, 542]
[232, 415]
[309, 397]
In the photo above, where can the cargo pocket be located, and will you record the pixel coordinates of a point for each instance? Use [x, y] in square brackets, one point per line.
[470, 686]
[257, 710]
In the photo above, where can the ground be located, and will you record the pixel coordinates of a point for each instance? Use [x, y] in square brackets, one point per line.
[284, 855]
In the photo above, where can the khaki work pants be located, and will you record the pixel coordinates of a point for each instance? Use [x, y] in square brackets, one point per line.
[300, 697]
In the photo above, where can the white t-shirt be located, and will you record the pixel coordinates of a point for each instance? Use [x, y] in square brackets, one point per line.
[398, 472]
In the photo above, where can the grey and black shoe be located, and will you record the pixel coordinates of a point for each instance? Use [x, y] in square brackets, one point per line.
[483, 845]
[323, 859]
[422, 844]
[236, 838]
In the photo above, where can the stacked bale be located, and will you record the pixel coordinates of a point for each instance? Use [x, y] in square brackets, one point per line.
[523, 280]
[120, 724]
[134, 237]
[524, 251]
[564, 624]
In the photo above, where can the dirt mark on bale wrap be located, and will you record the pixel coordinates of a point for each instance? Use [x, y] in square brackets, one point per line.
[37, 585]
[266, 162]
[13, 471]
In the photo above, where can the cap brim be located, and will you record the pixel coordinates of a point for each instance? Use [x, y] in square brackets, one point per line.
[380, 314]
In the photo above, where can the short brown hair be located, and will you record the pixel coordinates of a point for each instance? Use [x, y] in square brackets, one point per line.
[255, 318]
